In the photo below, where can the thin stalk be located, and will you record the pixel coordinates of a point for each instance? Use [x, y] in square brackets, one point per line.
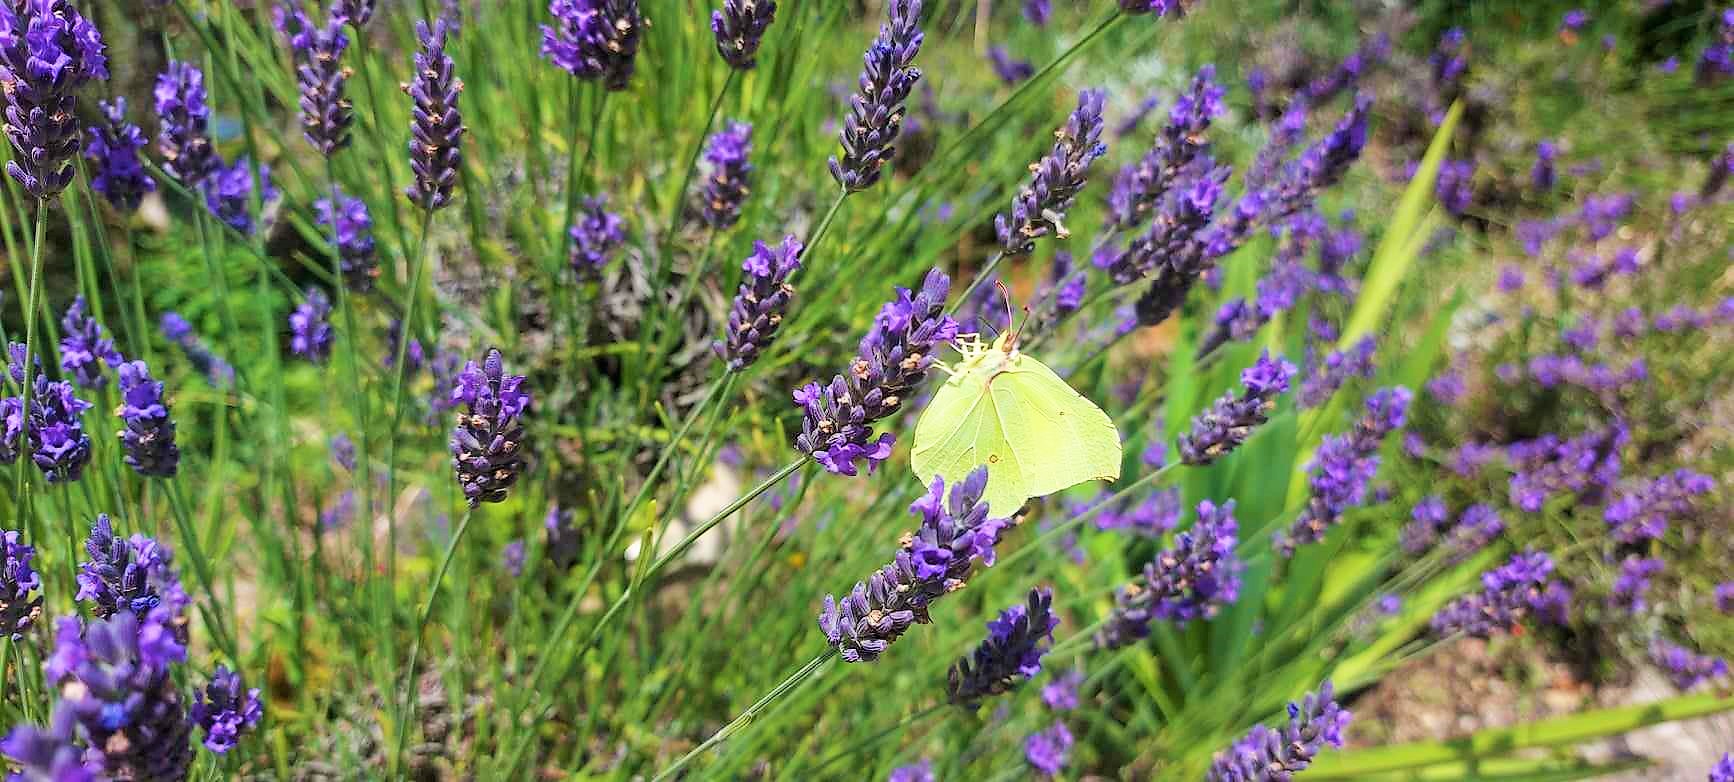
[412, 297]
[824, 224]
[789, 685]
[673, 222]
[407, 711]
[201, 567]
[987, 270]
[34, 301]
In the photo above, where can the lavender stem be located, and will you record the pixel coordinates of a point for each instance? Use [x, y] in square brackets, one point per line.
[789, 685]
[433, 594]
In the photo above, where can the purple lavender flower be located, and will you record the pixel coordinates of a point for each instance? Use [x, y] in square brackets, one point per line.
[1192, 580]
[595, 39]
[596, 233]
[1574, 20]
[730, 179]
[435, 128]
[18, 610]
[936, 560]
[338, 515]
[128, 574]
[326, 115]
[1010, 70]
[1427, 519]
[1048, 751]
[761, 302]
[55, 433]
[47, 52]
[487, 444]
[413, 353]
[225, 709]
[1600, 214]
[1643, 513]
[343, 451]
[310, 329]
[1518, 589]
[184, 118]
[1269, 755]
[1160, 8]
[1455, 186]
[1039, 208]
[1061, 691]
[147, 434]
[512, 557]
[1010, 655]
[875, 117]
[1151, 515]
[894, 357]
[49, 755]
[1173, 158]
[1633, 582]
[740, 28]
[1231, 419]
[1685, 668]
[1343, 466]
[1542, 176]
[112, 149]
[218, 372]
[84, 347]
[915, 772]
[1320, 165]
[229, 193]
[352, 231]
[1546, 467]
[1717, 60]
[1348, 73]
[1038, 12]
[1477, 526]
[115, 681]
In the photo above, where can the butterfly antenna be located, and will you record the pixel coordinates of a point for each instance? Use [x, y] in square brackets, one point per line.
[1006, 295]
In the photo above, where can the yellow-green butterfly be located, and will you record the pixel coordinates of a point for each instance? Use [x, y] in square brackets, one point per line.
[1010, 412]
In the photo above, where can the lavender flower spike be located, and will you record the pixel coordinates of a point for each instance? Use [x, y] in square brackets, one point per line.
[355, 12]
[127, 574]
[352, 231]
[1010, 655]
[1343, 466]
[115, 680]
[1039, 208]
[47, 52]
[225, 709]
[1192, 580]
[49, 755]
[18, 610]
[896, 353]
[435, 127]
[487, 445]
[85, 348]
[730, 179]
[1266, 755]
[1723, 771]
[58, 444]
[1231, 419]
[1518, 589]
[184, 119]
[596, 233]
[112, 149]
[326, 115]
[310, 329]
[1175, 8]
[594, 39]
[740, 28]
[936, 560]
[147, 434]
[760, 303]
[229, 193]
[875, 114]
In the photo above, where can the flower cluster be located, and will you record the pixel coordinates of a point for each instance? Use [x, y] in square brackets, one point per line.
[352, 232]
[1179, 154]
[1685, 668]
[760, 303]
[1010, 655]
[1040, 207]
[1048, 751]
[326, 115]
[935, 560]
[1266, 754]
[487, 444]
[18, 609]
[229, 192]
[595, 39]
[47, 52]
[53, 431]
[740, 28]
[1548, 466]
[117, 694]
[596, 233]
[876, 110]
[1521, 588]
[837, 428]
[1643, 513]
[1231, 419]
[1192, 580]
[355, 12]
[730, 179]
[85, 348]
[127, 574]
[435, 127]
[119, 177]
[147, 434]
[1632, 585]
[1342, 467]
[225, 709]
[183, 124]
[310, 328]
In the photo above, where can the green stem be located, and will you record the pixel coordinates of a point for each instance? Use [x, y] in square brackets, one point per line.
[411, 298]
[407, 711]
[980, 277]
[679, 199]
[34, 301]
[824, 225]
[789, 685]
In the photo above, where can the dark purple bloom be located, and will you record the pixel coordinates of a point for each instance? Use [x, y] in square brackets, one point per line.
[596, 233]
[85, 347]
[1717, 61]
[895, 354]
[184, 118]
[47, 52]
[1232, 418]
[1520, 588]
[147, 434]
[487, 444]
[761, 302]
[355, 12]
[1343, 466]
[1047, 751]
[352, 231]
[1010, 655]
[1061, 691]
[128, 574]
[1633, 582]
[1009, 69]
[18, 609]
[875, 115]
[1685, 668]
[435, 127]
[1324, 378]
[1643, 513]
[936, 560]
[225, 709]
[55, 433]
[1426, 521]
[1542, 176]
[326, 115]
[1172, 160]
[113, 147]
[51, 754]
[229, 193]
[740, 28]
[1192, 580]
[1040, 207]
[595, 39]
[730, 179]
[1266, 755]
[1174, 8]
[114, 678]
[310, 334]
[1455, 186]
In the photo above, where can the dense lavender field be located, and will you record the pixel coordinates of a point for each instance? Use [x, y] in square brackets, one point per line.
[858, 389]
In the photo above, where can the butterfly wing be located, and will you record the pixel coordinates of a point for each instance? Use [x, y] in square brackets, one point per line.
[958, 431]
[1061, 438]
